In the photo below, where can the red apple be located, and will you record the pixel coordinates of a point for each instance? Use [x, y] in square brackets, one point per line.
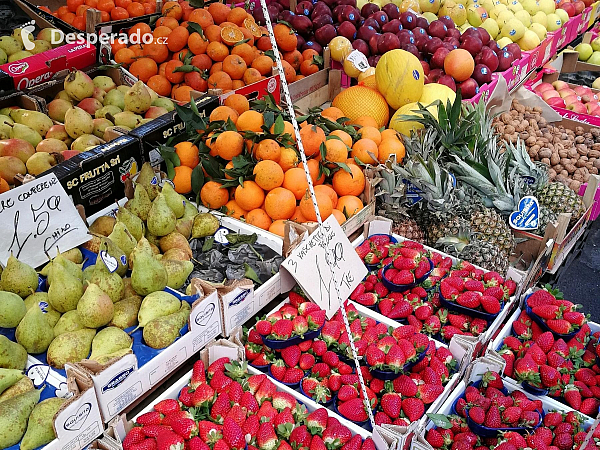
[447, 80]
[558, 85]
[577, 107]
[482, 74]
[579, 6]
[582, 90]
[468, 88]
[542, 87]
[589, 98]
[505, 59]
[437, 28]
[425, 68]
[435, 75]
[566, 92]
[437, 60]
[556, 102]
[488, 57]
[550, 94]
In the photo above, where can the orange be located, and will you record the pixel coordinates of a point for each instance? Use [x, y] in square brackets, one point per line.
[234, 210]
[366, 151]
[231, 35]
[197, 44]
[323, 203]
[223, 113]
[172, 9]
[345, 137]
[288, 71]
[174, 77]
[285, 37]
[79, 22]
[268, 149]
[170, 22]
[280, 203]
[252, 27]
[202, 62]
[217, 51]
[252, 76]
[263, 43]
[246, 52]
[183, 94]
[345, 183]
[308, 67]
[332, 113]
[139, 29]
[143, 68]
[219, 12]
[228, 145]
[118, 13]
[339, 216]
[249, 195]
[390, 147]
[370, 133]
[202, 17]
[62, 11]
[312, 137]
[105, 5]
[160, 85]
[136, 9]
[104, 16]
[234, 66]
[213, 195]
[364, 121]
[349, 205]
[294, 58]
[278, 228]
[69, 18]
[3, 186]
[178, 39]
[326, 189]
[295, 181]
[314, 169]
[288, 158]
[183, 179]
[459, 64]
[213, 33]
[298, 216]
[335, 151]
[309, 53]
[219, 80]
[81, 11]
[237, 102]
[124, 56]
[250, 121]
[389, 133]
[237, 15]
[158, 52]
[288, 128]
[216, 67]
[72, 5]
[259, 218]
[268, 175]
[263, 64]
[188, 154]
[162, 31]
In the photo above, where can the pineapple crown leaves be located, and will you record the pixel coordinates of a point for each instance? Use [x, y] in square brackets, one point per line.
[519, 158]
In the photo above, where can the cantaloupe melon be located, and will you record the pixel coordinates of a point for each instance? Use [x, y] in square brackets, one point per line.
[400, 78]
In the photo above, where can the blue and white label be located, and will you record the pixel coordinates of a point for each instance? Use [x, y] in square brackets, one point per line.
[38, 373]
[117, 379]
[221, 236]
[527, 217]
[111, 263]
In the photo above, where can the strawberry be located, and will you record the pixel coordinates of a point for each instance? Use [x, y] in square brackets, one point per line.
[474, 285]
[295, 299]
[209, 432]
[282, 329]
[448, 291]
[347, 392]
[435, 438]
[282, 400]
[265, 391]
[477, 414]
[185, 396]
[428, 393]
[153, 430]
[354, 443]
[316, 422]
[490, 304]
[559, 326]
[263, 327]
[317, 443]
[266, 439]
[331, 331]
[367, 299]
[291, 355]
[492, 418]
[135, 436]
[307, 361]
[374, 356]
[405, 386]
[299, 326]
[575, 318]
[168, 440]
[589, 406]
[316, 319]
[540, 297]
[149, 418]
[526, 369]
[422, 268]
[511, 415]
[572, 396]
[413, 408]
[233, 434]
[492, 379]
[278, 369]
[220, 407]
[469, 299]
[300, 437]
[391, 403]
[549, 376]
[546, 311]
[353, 410]
[251, 425]
[186, 428]
[363, 249]
[395, 358]
[146, 444]
[196, 443]
[404, 277]
[336, 436]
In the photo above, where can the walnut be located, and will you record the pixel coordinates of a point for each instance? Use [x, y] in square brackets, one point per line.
[533, 154]
[575, 185]
[593, 170]
[552, 174]
[564, 173]
[579, 131]
[579, 140]
[580, 163]
[563, 153]
[554, 159]
[546, 160]
[565, 161]
[597, 164]
[593, 154]
[509, 129]
[588, 142]
[582, 149]
[596, 147]
[595, 132]
[589, 165]
[558, 167]
[570, 168]
[531, 140]
[545, 153]
[561, 177]
[572, 153]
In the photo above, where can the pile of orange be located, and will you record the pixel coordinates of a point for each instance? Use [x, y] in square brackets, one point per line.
[278, 189]
[74, 12]
[225, 50]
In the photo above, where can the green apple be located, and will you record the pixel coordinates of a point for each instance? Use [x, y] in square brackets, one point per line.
[547, 6]
[541, 18]
[513, 30]
[430, 16]
[529, 41]
[585, 51]
[491, 26]
[531, 6]
[504, 17]
[596, 44]
[497, 10]
[503, 42]
[594, 59]
[515, 6]
[476, 15]
[524, 17]
[553, 22]
[564, 17]
[432, 6]
[539, 30]
[596, 83]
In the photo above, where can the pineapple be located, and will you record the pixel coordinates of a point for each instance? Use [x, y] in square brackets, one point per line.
[559, 198]
[390, 198]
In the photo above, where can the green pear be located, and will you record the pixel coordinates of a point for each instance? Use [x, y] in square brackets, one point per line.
[103, 225]
[157, 304]
[23, 385]
[109, 282]
[87, 273]
[108, 341]
[127, 119]
[123, 238]
[161, 219]
[176, 254]
[78, 122]
[138, 99]
[68, 322]
[35, 120]
[147, 178]
[70, 347]
[40, 428]
[162, 332]
[165, 103]
[3, 57]
[175, 201]
[79, 85]
[116, 252]
[40, 163]
[8, 377]
[10, 45]
[18, 278]
[65, 290]
[105, 359]
[14, 414]
[126, 312]
[100, 125]
[177, 272]
[175, 240]
[71, 267]
[40, 46]
[205, 224]
[85, 141]
[133, 223]
[20, 131]
[148, 275]
[12, 309]
[128, 290]
[74, 255]
[115, 98]
[12, 355]
[34, 333]
[95, 307]
[140, 204]
[40, 300]
[19, 56]
[107, 112]
[185, 223]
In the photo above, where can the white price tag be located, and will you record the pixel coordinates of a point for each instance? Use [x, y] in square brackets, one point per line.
[359, 60]
[37, 219]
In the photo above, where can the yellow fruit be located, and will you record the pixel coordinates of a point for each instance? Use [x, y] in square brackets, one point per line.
[406, 126]
[370, 72]
[340, 47]
[435, 91]
[362, 101]
[400, 78]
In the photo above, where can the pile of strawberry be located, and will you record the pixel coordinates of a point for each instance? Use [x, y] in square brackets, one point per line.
[327, 377]
[393, 353]
[375, 249]
[223, 408]
[568, 370]
[477, 290]
[554, 312]
[293, 320]
[562, 431]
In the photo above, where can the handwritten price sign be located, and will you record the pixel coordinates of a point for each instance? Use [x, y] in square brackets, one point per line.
[38, 218]
[322, 261]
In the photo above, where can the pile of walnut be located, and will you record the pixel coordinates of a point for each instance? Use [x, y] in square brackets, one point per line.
[572, 155]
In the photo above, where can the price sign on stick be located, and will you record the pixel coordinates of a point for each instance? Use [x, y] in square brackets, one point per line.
[324, 258]
[39, 218]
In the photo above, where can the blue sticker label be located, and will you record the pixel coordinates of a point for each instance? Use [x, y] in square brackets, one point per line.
[43, 307]
[221, 236]
[123, 260]
[117, 379]
[527, 217]
[416, 75]
[239, 298]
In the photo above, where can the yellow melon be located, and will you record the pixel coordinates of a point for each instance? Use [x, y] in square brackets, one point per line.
[400, 78]
[359, 101]
[406, 126]
[435, 91]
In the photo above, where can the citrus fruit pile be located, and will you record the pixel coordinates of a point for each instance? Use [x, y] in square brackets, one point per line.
[260, 175]
[74, 12]
[216, 47]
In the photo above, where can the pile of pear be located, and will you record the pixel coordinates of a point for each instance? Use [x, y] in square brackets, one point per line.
[23, 418]
[12, 48]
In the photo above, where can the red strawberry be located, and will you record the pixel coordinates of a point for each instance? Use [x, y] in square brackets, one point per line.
[168, 440]
[316, 319]
[367, 299]
[526, 369]
[264, 327]
[336, 436]
[146, 444]
[422, 268]
[559, 326]
[490, 304]
[186, 428]
[135, 436]
[549, 376]
[572, 396]
[511, 415]
[469, 299]
[233, 434]
[282, 329]
[307, 361]
[299, 325]
[391, 403]
[492, 418]
[474, 285]
[404, 277]
[291, 355]
[413, 408]
[353, 410]
[541, 297]
[316, 422]
[547, 311]
[374, 356]
[347, 392]
[575, 318]
[185, 396]
[477, 414]
[149, 418]
[435, 438]
[197, 444]
[395, 358]
[266, 439]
